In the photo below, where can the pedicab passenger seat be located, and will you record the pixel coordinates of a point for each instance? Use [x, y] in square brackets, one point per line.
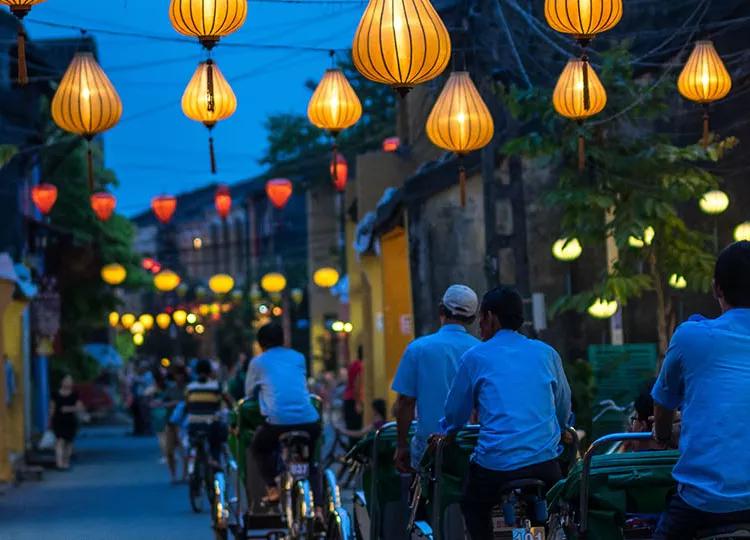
[522, 483]
[725, 532]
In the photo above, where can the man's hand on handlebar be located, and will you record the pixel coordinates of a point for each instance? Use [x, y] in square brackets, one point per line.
[402, 460]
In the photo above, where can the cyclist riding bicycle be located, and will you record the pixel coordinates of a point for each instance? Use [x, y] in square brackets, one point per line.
[203, 401]
[521, 396]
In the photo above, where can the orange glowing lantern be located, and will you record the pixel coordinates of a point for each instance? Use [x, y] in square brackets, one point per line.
[164, 207]
[44, 197]
[279, 190]
[339, 172]
[391, 144]
[103, 204]
[223, 201]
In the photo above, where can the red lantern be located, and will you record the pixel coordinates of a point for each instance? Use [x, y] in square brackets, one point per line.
[164, 207]
[339, 172]
[103, 204]
[44, 197]
[279, 190]
[148, 263]
[391, 144]
[223, 201]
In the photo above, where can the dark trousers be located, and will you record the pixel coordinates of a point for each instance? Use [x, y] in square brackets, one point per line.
[265, 448]
[352, 419]
[216, 432]
[681, 521]
[482, 492]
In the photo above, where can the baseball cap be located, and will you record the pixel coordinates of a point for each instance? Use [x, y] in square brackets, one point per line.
[461, 300]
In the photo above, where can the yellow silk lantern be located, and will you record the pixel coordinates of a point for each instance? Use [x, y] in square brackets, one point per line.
[704, 79]
[401, 44]
[208, 98]
[571, 101]
[714, 202]
[460, 121]
[138, 339]
[113, 318]
[207, 20]
[179, 317]
[113, 274]
[567, 249]
[137, 328]
[273, 282]
[163, 320]
[166, 281]
[582, 19]
[21, 8]
[603, 309]
[86, 103]
[326, 277]
[221, 283]
[742, 232]
[147, 320]
[127, 320]
[334, 105]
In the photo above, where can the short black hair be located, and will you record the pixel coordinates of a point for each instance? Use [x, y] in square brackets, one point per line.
[506, 304]
[644, 403]
[379, 406]
[271, 335]
[203, 368]
[448, 314]
[731, 274]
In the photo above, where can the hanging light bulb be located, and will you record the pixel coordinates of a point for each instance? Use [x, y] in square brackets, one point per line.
[86, 103]
[103, 204]
[207, 20]
[401, 44]
[44, 197]
[460, 121]
[164, 207]
[704, 79]
[223, 201]
[571, 102]
[567, 249]
[714, 202]
[278, 191]
[21, 8]
[208, 98]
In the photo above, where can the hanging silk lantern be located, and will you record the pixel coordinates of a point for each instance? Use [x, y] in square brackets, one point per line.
[582, 19]
[221, 283]
[103, 204]
[179, 317]
[571, 102]
[391, 144]
[460, 121]
[704, 79]
[166, 281]
[21, 8]
[401, 44]
[326, 277]
[113, 318]
[86, 103]
[147, 320]
[334, 106]
[742, 232]
[603, 309]
[646, 239]
[714, 202]
[567, 249]
[278, 191]
[208, 98]
[273, 282]
[676, 281]
[113, 274]
[127, 320]
[44, 197]
[339, 172]
[163, 320]
[223, 201]
[164, 207]
[207, 20]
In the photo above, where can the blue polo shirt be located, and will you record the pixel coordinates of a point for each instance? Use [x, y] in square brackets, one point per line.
[706, 374]
[518, 388]
[279, 379]
[425, 372]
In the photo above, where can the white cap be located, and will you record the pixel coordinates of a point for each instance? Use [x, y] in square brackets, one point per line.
[461, 300]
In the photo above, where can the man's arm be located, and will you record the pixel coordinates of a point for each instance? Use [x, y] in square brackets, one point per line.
[251, 380]
[668, 390]
[561, 390]
[404, 411]
[460, 400]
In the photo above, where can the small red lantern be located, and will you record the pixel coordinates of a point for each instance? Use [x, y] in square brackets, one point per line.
[148, 263]
[391, 144]
[339, 172]
[164, 207]
[279, 190]
[44, 197]
[223, 201]
[103, 204]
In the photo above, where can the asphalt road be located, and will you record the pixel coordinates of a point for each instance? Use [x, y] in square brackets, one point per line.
[117, 490]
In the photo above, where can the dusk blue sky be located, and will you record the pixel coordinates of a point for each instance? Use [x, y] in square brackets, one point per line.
[155, 148]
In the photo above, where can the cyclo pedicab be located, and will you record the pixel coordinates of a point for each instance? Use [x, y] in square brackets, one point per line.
[294, 516]
[605, 496]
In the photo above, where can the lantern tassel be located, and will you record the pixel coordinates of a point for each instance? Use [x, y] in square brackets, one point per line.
[704, 140]
[210, 102]
[585, 76]
[22, 74]
[462, 182]
[212, 154]
[334, 162]
[581, 153]
[90, 160]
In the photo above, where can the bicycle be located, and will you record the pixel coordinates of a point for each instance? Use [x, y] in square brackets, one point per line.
[199, 478]
[298, 508]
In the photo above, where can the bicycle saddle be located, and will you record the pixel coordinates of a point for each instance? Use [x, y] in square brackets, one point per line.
[294, 438]
[522, 483]
[734, 530]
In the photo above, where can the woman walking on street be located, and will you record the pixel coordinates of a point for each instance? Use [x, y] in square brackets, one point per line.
[64, 410]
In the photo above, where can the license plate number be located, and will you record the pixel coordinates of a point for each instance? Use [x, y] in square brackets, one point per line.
[298, 469]
[535, 533]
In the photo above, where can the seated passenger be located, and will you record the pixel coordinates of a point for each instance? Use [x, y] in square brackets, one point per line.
[203, 402]
[522, 399]
[706, 374]
[278, 379]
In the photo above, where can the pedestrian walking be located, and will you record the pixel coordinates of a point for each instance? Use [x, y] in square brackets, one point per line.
[65, 406]
[426, 371]
[353, 394]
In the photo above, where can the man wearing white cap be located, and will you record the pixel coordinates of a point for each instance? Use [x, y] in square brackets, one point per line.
[426, 371]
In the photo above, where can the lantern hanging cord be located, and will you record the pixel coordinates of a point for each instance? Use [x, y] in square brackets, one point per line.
[22, 72]
[210, 102]
[706, 114]
[585, 77]
[90, 163]
[211, 152]
[581, 148]
[462, 179]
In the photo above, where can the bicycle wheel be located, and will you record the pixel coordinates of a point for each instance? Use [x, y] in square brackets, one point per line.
[303, 514]
[196, 487]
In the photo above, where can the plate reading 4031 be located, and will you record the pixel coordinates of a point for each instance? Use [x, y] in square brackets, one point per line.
[534, 533]
[298, 469]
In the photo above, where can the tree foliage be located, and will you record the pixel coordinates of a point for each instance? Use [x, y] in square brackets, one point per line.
[636, 177]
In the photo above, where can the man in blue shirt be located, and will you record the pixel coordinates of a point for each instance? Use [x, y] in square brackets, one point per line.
[706, 374]
[426, 371]
[278, 378]
[521, 396]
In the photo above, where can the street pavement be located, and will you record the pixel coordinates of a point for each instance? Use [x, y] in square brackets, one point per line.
[116, 490]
